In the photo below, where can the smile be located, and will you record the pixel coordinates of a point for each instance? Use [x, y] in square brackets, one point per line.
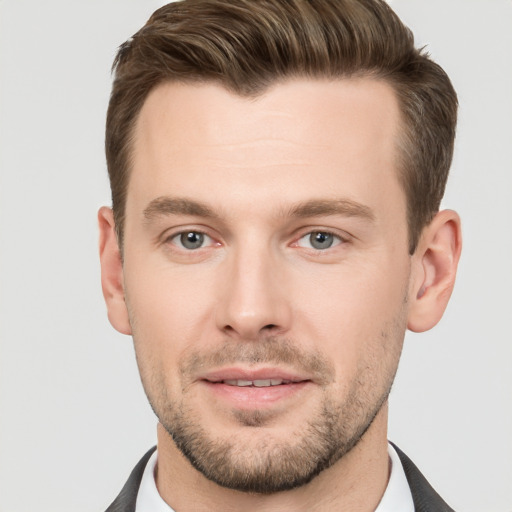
[254, 389]
[260, 383]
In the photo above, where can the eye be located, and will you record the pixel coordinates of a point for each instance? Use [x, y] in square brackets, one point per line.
[319, 240]
[191, 240]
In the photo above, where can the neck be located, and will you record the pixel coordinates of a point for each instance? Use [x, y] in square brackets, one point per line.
[355, 483]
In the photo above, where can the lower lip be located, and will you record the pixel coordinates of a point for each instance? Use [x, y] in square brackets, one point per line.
[250, 397]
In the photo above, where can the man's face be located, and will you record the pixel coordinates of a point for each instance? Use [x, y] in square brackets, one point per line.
[266, 272]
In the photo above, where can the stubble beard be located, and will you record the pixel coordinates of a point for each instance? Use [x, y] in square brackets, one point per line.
[254, 461]
[267, 465]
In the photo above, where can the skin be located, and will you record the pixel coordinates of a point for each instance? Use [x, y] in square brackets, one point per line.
[257, 177]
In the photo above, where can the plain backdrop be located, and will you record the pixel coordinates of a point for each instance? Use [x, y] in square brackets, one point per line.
[73, 416]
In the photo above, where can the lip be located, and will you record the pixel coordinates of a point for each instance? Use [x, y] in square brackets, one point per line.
[254, 397]
[253, 374]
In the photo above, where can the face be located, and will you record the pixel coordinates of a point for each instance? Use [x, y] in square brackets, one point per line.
[266, 272]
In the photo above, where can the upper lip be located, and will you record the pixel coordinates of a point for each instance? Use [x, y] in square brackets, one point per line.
[252, 375]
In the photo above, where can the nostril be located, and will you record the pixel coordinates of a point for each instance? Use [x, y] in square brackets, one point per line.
[269, 327]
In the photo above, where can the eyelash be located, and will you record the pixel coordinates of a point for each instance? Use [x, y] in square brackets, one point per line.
[180, 234]
[337, 240]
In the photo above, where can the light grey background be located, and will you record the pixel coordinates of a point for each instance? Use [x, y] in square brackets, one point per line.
[73, 417]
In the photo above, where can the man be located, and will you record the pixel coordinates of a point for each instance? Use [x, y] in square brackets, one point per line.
[276, 171]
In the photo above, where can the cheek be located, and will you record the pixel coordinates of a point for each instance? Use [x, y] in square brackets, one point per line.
[170, 315]
[165, 299]
[354, 313]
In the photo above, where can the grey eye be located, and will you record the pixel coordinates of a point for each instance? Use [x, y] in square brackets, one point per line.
[191, 240]
[321, 240]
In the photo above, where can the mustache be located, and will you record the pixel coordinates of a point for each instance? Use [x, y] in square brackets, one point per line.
[271, 350]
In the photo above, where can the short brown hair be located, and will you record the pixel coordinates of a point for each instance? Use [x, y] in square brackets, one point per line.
[247, 45]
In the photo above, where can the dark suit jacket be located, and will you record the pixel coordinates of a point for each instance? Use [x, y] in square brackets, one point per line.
[424, 497]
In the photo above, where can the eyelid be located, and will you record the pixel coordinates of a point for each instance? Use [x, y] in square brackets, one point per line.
[170, 234]
[337, 241]
[341, 235]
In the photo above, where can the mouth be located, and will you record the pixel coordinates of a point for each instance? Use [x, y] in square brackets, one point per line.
[257, 378]
[256, 383]
[250, 389]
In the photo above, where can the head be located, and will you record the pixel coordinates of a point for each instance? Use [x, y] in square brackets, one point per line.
[276, 172]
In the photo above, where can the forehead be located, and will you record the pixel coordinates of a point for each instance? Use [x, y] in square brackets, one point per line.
[298, 138]
[361, 108]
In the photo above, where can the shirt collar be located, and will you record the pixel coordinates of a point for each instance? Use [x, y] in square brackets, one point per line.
[397, 496]
[148, 498]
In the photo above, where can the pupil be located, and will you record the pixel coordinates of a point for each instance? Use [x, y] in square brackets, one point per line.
[321, 240]
[192, 240]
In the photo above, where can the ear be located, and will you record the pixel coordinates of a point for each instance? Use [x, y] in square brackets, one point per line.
[112, 281]
[433, 271]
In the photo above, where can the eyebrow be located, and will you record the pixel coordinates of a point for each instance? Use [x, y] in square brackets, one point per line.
[319, 207]
[162, 206]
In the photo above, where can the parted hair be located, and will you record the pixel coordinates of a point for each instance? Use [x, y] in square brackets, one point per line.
[249, 45]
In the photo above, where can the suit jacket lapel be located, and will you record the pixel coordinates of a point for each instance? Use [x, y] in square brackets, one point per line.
[127, 498]
[425, 498]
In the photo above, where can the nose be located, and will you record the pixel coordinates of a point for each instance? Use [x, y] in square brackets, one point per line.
[253, 301]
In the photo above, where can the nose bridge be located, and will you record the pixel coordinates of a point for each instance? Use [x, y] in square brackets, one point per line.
[253, 298]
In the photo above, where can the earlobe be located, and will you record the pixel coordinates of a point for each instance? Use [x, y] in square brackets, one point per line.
[112, 272]
[433, 271]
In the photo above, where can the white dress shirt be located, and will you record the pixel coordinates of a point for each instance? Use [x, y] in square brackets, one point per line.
[397, 497]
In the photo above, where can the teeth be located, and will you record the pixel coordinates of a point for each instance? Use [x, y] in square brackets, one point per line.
[263, 383]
